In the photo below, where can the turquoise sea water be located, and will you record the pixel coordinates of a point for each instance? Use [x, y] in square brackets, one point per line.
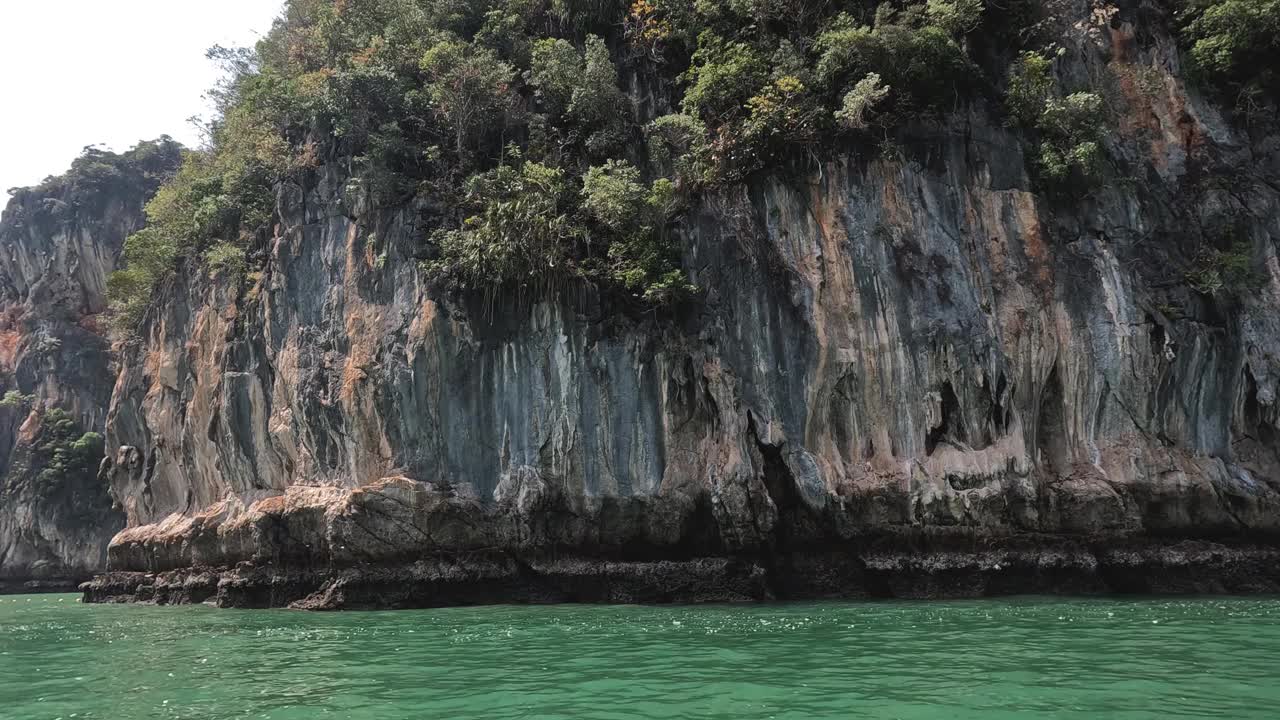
[1030, 657]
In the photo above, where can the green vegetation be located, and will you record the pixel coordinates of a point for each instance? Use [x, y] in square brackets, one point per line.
[1234, 46]
[722, 77]
[215, 199]
[1070, 127]
[530, 229]
[1031, 85]
[678, 145]
[15, 399]
[562, 138]
[1232, 271]
[225, 257]
[914, 50]
[640, 256]
[523, 228]
[470, 90]
[861, 100]
[65, 451]
[513, 113]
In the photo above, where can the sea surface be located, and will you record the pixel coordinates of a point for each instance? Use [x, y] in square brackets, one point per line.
[990, 659]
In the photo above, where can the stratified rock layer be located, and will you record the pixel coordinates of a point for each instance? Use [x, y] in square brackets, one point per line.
[908, 376]
[401, 543]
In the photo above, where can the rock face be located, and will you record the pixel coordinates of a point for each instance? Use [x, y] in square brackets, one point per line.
[58, 243]
[908, 376]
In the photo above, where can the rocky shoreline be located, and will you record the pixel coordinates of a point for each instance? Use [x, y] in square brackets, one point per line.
[860, 570]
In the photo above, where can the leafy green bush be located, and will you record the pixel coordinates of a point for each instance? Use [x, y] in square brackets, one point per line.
[862, 99]
[557, 67]
[613, 195]
[64, 450]
[956, 17]
[597, 101]
[579, 90]
[921, 60]
[522, 231]
[14, 399]
[760, 94]
[1030, 86]
[226, 258]
[641, 256]
[503, 30]
[678, 144]
[214, 197]
[1234, 46]
[722, 76]
[783, 110]
[529, 229]
[1058, 163]
[1071, 127]
[1217, 272]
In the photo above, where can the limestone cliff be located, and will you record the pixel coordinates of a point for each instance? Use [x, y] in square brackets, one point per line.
[907, 374]
[58, 243]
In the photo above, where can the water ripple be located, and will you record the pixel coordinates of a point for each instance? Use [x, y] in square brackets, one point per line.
[1133, 659]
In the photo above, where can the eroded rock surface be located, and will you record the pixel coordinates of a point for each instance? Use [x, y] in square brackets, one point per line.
[909, 376]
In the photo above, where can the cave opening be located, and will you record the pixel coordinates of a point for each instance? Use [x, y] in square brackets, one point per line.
[950, 427]
[1052, 453]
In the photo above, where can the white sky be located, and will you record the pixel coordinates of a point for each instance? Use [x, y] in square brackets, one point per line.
[80, 72]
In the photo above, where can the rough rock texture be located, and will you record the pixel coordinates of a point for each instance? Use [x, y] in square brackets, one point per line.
[909, 376]
[58, 243]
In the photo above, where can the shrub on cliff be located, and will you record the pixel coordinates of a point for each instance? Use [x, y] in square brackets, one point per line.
[721, 77]
[15, 399]
[1070, 128]
[522, 230]
[225, 257]
[783, 112]
[531, 229]
[916, 53]
[860, 101]
[1030, 86]
[678, 144]
[215, 197]
[1234, 46]
[578, 90]
[613, 195]
[640, 256]
[1225, 272]
[63, 450]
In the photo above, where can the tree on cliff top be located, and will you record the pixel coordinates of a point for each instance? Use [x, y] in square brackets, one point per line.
[427, 98]
[392, 83]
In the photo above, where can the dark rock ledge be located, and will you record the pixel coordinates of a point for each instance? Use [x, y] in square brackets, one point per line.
[864, 570]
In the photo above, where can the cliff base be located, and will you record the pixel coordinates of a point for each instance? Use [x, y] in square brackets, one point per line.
[875, 569]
